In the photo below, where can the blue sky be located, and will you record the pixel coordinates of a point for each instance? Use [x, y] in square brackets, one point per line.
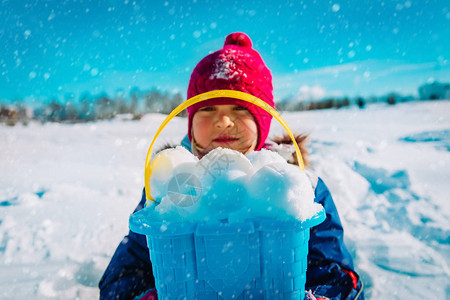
[314, 48]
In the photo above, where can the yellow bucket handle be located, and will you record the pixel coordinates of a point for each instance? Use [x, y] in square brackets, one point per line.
[211, 95]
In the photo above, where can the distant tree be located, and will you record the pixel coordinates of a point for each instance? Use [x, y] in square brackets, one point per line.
[105, 107]
[134, 95]
[339, 103]
[23, 112]
[54, 111]
[71, 113]
[163, 104]
[360, 102]
[177, 100]
[122, 107]
[152, 100]
[290, 103]
[311, 106]
[9, 115]
[391, 99]
[346, 102]
[434, 91]
[87, 108]
[328, 103]
[280, 106]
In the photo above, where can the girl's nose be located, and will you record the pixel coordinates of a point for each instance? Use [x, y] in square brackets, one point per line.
[224, 121]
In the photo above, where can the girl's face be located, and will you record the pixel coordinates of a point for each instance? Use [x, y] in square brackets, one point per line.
[226, 126]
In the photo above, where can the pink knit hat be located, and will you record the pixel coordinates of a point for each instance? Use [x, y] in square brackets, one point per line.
[234, 67]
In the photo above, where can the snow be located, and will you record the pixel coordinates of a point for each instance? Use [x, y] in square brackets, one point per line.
[259, 159]
[225, 66]
[66, 193]
[165, 165]
[224, 185]
[280, 190]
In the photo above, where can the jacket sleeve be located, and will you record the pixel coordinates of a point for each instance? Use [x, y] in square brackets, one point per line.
[129, 272]
[330, 271]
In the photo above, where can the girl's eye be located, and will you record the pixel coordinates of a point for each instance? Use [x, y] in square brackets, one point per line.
[207, 108]
[239, 108]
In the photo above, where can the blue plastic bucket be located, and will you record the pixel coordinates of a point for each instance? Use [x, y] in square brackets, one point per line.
[260, 258]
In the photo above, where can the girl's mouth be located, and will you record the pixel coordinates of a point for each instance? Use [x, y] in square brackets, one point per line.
[225, 140]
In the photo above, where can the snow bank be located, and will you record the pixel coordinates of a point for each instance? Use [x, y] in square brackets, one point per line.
[67, 191]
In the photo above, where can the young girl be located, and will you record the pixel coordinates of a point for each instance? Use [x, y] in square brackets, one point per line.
[242, 126]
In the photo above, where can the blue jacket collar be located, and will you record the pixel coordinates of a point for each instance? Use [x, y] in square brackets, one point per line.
[186, 143]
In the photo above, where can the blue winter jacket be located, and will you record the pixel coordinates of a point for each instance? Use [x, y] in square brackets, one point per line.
[330, 271]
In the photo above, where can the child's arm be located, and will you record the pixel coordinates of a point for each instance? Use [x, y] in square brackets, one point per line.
[330, 270]
[129, 272]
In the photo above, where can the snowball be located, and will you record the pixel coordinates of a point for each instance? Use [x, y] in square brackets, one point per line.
[223, 175]
[279, 189]
[223, 163]
[264, 157]
[163, 166]
[227, 185]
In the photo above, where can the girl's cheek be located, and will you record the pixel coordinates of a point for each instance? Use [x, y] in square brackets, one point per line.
[203, 125]
[201, 131]
[250, 128]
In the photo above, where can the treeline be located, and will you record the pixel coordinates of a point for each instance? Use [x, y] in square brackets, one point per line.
[292, 104]
[137, 103]
[93, 108]
[430, 91]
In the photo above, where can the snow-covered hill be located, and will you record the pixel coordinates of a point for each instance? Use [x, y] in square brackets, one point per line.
[66, 192]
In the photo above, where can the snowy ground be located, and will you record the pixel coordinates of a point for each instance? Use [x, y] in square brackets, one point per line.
[66, 192]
